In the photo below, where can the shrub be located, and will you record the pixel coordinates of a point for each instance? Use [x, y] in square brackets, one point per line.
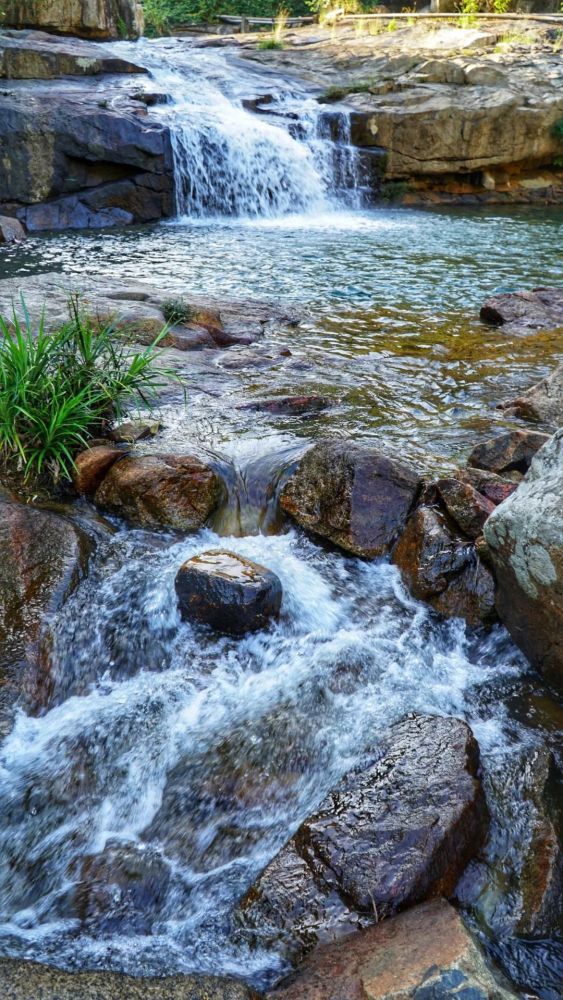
[177, 311]
[58, 388]
[270, 43]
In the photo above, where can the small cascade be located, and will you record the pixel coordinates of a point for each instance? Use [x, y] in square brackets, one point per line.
[235, 157]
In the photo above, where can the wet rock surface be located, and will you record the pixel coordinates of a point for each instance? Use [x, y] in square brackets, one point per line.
[228, 592]
[443, 569]
[541, 878]
[161, 491]
[426, 953]
[525, 312]
[465, 505]
[119, 890]
[511, 452]
[355, 496]
[42, 559]
[30, 981]
[92, 465]
[525, 540]
[543, 402]
[398, 829]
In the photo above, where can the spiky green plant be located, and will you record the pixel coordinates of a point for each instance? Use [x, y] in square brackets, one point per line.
[58, 388]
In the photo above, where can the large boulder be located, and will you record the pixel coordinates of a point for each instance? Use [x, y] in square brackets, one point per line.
[24, 980]
[525, 540]
[231, 594]
[525, 312]
[443, 569]
[543, 402]
[92, 465]
[424, 954]
[161, 491]
[352, 494]
[43, 556]
[34, 55]
[107, 163]
[398, 829]
[83, 18]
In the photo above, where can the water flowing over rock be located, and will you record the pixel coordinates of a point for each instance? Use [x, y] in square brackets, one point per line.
[42, 558]
[84, 18]
[543, 402]
[398, 829]
[525, 312]
[525, 540]
[424, 954]
[231, 594]
[161, 491]
[511, 452]
[354, 495]
[30, 981]
[443, 569]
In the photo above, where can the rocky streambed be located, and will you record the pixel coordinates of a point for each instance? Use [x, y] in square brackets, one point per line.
[182, 799]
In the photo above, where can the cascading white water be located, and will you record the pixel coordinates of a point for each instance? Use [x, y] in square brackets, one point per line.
[229, 161]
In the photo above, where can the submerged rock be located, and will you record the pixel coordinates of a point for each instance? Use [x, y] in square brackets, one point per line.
[424, 954]
[42, 559]
[120, 890]
[156, 491]
[290, 405]
[23, 980]
[525, 540]
[398, 829]
[92, 465]
[443, 569]
[231, 594]
[525, 312]
[354, 495]
[543, 402]
[510, 452]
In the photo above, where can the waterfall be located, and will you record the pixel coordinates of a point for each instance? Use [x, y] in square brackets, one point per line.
[282, 156]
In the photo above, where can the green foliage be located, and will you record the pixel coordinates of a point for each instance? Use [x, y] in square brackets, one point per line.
[336, 93]
[162, 15]
[177, 311]
[58, 388]
[270, 43]
[557, 130]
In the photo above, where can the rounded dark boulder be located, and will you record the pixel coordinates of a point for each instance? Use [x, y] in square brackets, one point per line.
[227, 592]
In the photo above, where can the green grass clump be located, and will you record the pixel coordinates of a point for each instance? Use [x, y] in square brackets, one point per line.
[177, 311]
[58, 388]
[270, 43]
[336, 93]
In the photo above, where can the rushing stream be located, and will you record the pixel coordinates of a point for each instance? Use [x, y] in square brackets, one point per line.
[200, 755]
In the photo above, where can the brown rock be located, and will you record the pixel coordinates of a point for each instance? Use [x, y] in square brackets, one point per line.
[137, 430]
[11, 230]
[543, 402]
[468, 508]
[541, 878]
[438, 567]
[525, 312]
[398, 829]
[96, 19]
[231, 594]
[510, 452]
[154, 491]
[24, 980]
[492, 487]
[188, 338]
[354, 495]
[525, 539]
[91, 465]
[424, 954]
[42, 559]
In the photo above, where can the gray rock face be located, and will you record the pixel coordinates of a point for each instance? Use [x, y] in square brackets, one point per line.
[398, 829]
[543, 402]
[11, 230]
[356, 496]
[424, 954]
[81, 158]
[525, 312]
[525, 540]
[232, 594]
[84, 18]
[35, 55]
